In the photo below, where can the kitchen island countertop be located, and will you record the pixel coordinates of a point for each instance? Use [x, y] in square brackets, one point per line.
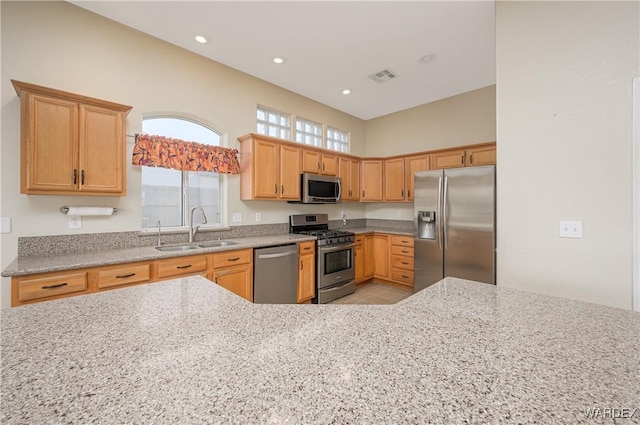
[187, 351]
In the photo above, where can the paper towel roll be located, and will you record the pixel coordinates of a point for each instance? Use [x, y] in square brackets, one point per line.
[90, 211]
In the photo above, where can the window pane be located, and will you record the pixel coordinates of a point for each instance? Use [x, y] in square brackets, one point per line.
[163, 197]
[308, 132]
[273, 123]
[337, 140]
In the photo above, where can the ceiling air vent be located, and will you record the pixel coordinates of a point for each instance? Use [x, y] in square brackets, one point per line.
[383, 76]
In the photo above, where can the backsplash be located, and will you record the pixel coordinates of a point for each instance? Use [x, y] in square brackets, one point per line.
[67, 244]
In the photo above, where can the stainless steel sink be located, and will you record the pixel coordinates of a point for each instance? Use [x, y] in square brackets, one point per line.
[213, 244]
[177, 247]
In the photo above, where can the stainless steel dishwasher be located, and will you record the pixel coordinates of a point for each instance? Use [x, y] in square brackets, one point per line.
[275, 275]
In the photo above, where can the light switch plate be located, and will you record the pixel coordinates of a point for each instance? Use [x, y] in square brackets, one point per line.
[258, 216]
[571, 229]
[5, 225]
[237, 217]
[75, 222]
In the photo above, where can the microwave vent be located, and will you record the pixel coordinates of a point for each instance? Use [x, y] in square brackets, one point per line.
[383, 76]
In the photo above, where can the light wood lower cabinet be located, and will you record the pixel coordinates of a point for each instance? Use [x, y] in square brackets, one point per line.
[181, 266]
[48, 286]
[364, 257]
[381, 256]
[120, 275]
[306, 271]
[402, 260]
[233, 270]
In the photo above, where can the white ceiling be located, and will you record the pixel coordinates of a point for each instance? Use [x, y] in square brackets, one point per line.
[333, 45]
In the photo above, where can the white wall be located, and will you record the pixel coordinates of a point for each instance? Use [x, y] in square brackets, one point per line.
[58, 45]
[564, 127]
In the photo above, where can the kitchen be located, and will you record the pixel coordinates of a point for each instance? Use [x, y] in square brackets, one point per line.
[530, 256]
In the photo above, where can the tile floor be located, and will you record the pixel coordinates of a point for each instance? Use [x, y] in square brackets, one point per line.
[374, 293]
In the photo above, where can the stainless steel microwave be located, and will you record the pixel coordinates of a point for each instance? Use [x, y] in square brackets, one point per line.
[317, 189]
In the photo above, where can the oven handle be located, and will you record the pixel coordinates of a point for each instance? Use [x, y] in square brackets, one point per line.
[337, 287]
[334, 248]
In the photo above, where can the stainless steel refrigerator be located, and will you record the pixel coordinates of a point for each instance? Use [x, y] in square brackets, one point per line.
[454, 213]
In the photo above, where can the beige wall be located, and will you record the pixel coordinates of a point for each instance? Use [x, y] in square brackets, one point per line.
[464, 119]
[564, 126]
[58, 45]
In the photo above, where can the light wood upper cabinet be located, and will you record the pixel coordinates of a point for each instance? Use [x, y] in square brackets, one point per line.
[371, 179]
[319, 162]
[454, 158]
[349, 171]
[485, 155]
[70, 144]
[412, 165]
[270, 170]
[394, 179]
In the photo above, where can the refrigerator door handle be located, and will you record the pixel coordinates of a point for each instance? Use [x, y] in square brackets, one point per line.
[438, 215]
[444, 212]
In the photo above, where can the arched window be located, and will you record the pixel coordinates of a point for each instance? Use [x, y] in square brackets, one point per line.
[168, 195]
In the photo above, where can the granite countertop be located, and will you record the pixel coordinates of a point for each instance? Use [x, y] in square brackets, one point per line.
[187, 351]
[49, 263]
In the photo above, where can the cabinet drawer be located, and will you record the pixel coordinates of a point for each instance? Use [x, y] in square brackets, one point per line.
[402, 276]
[182, 266]
[402, 262]
[307, 247]
[232, 258]
[49, 286]
[402, 250]
[122, 275]
[402, 240]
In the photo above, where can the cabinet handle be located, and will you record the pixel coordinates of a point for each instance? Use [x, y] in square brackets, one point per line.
[462, 159]
[406, 277]
[55, 286]
[275, 189]
[124, 276]
[301, 266]
[82, 177]
[405, 263]
[323, 166]
[75, 176]
[404, 241]
[363, 193]
[183, 267]
[408, 193]
[471, 159]
[404, 252]
[307, 248]
[282, 189]
[234, 259]
[402, 193]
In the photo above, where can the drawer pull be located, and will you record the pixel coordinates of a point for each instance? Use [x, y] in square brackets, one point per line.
[404, 241]
[406, 277]
[404, 252]
[234, 259]
[60, 285]
[183, 267]
[307, 248]
[124, 276]
[405, 263]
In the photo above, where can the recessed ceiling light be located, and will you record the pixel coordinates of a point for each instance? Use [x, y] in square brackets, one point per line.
[279, 59]
[346, 91]
[201, 39]
[427, 58]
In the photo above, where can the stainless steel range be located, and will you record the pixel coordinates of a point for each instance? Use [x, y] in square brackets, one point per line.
[335, 250]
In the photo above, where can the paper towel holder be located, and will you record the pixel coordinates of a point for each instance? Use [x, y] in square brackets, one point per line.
[65, 209]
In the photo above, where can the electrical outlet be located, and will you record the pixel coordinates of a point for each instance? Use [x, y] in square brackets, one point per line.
[571, 229]
[75, 222]
[237, 217]
[258, 216]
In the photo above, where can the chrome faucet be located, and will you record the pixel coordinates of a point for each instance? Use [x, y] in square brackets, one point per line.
[194, 230]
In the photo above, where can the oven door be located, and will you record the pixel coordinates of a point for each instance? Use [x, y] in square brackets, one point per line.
[335, 264]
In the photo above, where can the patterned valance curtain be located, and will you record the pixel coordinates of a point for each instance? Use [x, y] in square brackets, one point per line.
[165, 152]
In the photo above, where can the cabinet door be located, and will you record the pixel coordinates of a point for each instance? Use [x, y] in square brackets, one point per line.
[454, 158]
[481, 156]
[266, 169]
[329, 164]
[394, 179]
[412, 165]
[102, 140]
[237, 279]
[371, 170]
[306, 278]
[368, 257]
[49, 155]
[182, 266]
[359, 260]
[381, 256]
[354, 188]
[311, 161]
[290, 168]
